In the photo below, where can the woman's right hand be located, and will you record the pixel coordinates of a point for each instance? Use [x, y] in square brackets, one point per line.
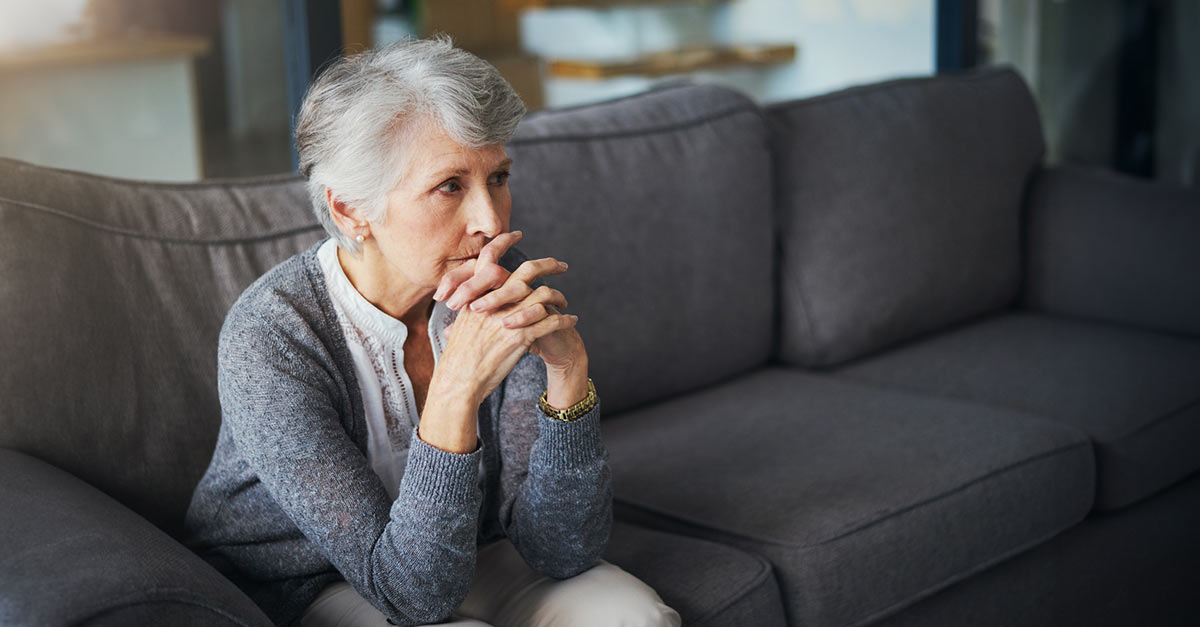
[481, 349]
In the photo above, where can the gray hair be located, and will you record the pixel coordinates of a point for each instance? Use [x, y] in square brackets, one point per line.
[352, 126]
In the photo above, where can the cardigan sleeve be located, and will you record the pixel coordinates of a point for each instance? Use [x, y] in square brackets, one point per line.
[414, 558]
[556, 487]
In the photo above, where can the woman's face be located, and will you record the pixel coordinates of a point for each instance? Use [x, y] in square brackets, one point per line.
[450, 201]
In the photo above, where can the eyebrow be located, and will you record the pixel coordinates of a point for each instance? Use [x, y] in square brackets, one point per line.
[459, 172]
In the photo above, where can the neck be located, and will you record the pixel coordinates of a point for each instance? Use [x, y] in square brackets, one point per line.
[369, 274]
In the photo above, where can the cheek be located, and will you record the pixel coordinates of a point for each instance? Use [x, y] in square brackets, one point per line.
[503, 204]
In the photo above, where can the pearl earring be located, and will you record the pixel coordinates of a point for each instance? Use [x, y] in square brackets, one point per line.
[359, 239]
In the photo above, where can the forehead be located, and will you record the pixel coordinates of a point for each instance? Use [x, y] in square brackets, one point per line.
[429, 151]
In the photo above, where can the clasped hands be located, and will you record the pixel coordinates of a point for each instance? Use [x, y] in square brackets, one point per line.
[500, 317]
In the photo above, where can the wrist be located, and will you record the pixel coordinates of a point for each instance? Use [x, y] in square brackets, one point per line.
[453, 392]
[567, 385]
[449, 425]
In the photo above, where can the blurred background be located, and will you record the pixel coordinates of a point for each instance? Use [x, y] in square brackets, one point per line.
[180, 90]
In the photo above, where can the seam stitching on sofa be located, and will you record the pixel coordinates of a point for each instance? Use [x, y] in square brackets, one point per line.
[655, 130]
[793, 545]
[156, 238]
[955, 578]
[652, 91]
[254, 181]
[962, 487]
[190, 600]
[764, 571]
[858, 90]
[1173, 413]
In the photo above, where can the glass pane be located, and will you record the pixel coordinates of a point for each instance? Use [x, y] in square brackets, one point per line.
[1117, 81]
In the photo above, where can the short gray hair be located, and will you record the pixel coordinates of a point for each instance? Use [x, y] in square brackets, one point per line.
[352, 125]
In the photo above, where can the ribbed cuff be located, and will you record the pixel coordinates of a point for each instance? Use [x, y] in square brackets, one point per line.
[568, 444]
[440, 475]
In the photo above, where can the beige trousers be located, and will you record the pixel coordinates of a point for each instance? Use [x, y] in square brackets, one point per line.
[507, 593]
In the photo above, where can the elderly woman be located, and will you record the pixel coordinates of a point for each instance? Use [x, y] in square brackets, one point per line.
[409, 433]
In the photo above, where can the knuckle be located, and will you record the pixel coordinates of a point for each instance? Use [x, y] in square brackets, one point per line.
[544, 292]
[495, 273]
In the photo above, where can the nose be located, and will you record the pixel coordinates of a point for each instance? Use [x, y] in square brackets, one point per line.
[482, 217]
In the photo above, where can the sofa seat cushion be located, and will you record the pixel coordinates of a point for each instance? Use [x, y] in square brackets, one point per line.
[709, 584]
[864, 499]
[1136, 393]
[661, 202]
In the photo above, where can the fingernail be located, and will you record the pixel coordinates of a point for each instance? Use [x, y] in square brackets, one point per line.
[454, 303]
[562, 264]
[574, 318]
[477, 306]
[439, 294]
[518, 233]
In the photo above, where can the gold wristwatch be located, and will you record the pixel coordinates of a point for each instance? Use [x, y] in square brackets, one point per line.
[574, 411]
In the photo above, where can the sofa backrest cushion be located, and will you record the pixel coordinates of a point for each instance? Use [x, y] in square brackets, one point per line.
[111, 300]
[661, 204]
[899, 209]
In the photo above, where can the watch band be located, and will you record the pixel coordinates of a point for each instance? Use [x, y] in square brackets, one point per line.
[574, 411]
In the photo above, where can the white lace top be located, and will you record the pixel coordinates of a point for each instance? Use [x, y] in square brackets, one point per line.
[376, 342]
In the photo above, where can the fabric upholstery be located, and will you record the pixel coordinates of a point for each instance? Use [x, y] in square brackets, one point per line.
[1108, 246]
[899, 209]
[709, 584]
[1136, 393]
[863, 499]
[661, 204]
[1135, 566]
[113, 299]
[65, 540]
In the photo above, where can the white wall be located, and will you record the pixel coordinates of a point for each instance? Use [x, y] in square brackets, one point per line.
[134, 119]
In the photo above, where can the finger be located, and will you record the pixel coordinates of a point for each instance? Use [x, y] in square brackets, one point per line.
[453, 279]
[495, 249]
[533, 313]
[534, 269]
[548, 325]
[511, 292]
[545, 295]
[517, 287]
[487, 277]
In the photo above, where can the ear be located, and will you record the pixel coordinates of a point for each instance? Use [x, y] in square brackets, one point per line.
[350, 220]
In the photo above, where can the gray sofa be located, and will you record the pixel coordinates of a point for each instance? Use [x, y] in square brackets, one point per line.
[864, 360]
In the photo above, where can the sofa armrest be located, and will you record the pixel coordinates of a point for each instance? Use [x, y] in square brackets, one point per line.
[71, 555]
[1108, 246]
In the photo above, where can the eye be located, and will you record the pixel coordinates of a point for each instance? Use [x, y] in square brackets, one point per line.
[449, 187]
[498, 179]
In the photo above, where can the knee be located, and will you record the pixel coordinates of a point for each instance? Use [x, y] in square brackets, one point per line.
[603, 596]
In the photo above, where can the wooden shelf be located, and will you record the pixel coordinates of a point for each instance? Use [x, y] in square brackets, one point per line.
[675, 62]
[90, 52]
[520, 5]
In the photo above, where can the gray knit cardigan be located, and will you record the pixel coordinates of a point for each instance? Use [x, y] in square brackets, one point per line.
[289, 503]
